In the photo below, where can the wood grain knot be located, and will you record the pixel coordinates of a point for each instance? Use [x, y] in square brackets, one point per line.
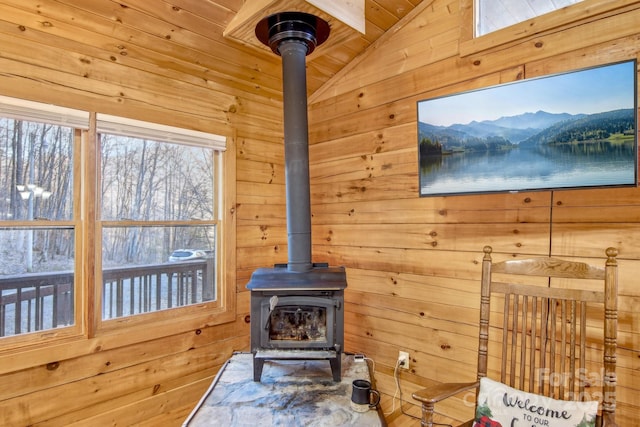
[52, 366]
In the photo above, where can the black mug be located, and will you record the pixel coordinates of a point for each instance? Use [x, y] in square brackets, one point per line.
[363, 397]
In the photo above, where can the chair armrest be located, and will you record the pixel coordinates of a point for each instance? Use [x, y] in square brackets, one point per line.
[439, 392]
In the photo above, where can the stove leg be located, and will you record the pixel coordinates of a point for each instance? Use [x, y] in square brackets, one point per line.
[336, 367]
[258, 364]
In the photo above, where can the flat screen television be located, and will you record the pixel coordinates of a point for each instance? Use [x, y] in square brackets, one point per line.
[564, 131]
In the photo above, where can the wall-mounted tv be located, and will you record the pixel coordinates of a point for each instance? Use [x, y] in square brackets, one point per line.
[564, 131]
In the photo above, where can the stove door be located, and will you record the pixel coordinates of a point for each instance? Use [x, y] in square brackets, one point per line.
[298, 322]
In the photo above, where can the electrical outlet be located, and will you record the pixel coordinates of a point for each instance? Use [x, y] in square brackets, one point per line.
[403, 360]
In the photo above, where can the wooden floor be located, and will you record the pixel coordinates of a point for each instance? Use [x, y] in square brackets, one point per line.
[395, 417]
[409, 416]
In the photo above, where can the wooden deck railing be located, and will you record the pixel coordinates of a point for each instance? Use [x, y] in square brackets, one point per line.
[35, 301]
[38, 301]
[146, 288]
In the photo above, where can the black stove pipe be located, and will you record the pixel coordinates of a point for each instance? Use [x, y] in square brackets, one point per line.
[294, 35]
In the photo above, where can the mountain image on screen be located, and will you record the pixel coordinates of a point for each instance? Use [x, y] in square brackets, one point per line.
[525, 130]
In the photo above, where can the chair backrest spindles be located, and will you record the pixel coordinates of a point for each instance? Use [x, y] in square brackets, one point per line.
[544, 328]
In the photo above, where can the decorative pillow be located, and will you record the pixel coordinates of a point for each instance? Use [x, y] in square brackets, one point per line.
[502, 406]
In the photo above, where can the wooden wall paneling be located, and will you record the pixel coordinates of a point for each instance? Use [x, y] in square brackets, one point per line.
[132, 28]
[378, 141]
[142, 405]
[522, 238]
[374, 223]
[262, 235]
[243, 277]
[477, 209]
[407, 52]
[254, 193]
[363, 133]
[614, 197]
[386, 116]
[93, 69]
[589, 11]
[260, 171]
[169, 418]
[175, 406]
[617, 50]
[440, 263]
[365, 166]
[426, 344]
[389, 187]
[384, 376]
[414, 304]
[61, 372]
[570, 39]
[268, 149]
[42, 405]
[595, 214]
[243, 304]
[117, 379]
[14, 361]
[403, 329]
[220, 11]
[367, 212]
[139, 84]
[428, 81]
[253, 257]
[594, 238]
[394, 9]
[274, 215]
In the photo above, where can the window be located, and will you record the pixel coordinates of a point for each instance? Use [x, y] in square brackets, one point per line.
[159, 218]
[492, 15]
[38, 217]
[158, 197]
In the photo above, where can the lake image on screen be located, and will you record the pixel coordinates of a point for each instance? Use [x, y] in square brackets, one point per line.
[565, 131]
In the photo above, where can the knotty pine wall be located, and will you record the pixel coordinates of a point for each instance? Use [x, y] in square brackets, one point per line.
[149, 377]
[414, 263]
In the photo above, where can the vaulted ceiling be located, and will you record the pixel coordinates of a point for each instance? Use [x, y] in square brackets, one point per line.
[183, 41]
[188, 34]
[69, 44]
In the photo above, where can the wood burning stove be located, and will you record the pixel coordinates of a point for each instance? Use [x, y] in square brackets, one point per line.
[297, 315]
[296, 308]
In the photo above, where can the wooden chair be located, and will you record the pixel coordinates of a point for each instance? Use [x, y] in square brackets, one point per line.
[538, 342]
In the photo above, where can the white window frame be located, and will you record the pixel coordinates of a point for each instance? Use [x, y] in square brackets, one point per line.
[223, 308]
[87, 268]
[19, 109]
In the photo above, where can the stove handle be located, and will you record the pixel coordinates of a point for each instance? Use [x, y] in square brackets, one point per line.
[273, 302]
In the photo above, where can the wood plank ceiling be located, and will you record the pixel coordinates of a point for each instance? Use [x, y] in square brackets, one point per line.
[184, 36]
[180, 42]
